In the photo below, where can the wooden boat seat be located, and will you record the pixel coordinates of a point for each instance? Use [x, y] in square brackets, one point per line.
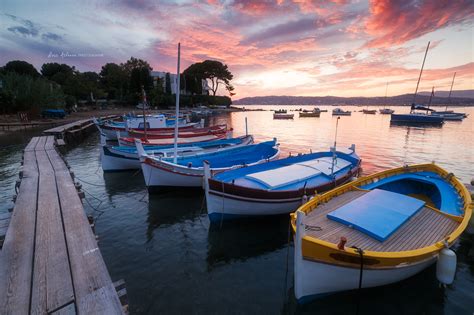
[424, 228]
[283, 176]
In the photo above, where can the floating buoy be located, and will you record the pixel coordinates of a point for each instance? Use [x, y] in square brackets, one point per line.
[446, 266]
[304, 199]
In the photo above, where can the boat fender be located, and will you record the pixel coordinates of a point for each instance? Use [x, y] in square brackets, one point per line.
[446, 266]
[190, 164]
[342, 243]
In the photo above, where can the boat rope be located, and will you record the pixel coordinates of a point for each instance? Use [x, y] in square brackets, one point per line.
[285, 285]
[313, 228]
[361, 270]
[223, 201]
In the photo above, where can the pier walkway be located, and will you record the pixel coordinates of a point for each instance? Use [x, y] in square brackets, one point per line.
[50, 262]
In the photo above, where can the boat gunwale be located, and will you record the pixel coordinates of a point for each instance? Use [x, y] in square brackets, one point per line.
[413, 254]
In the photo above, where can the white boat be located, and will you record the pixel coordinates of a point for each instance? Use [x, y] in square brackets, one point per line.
[378, 230]
[189, 171]
[124, 158]
[277, 187]
[386, 111]
[340, 112]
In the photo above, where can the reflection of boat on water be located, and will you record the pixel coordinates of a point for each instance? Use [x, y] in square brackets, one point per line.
[392, 224]
[171, 208]
[120, 183]
[239, 241]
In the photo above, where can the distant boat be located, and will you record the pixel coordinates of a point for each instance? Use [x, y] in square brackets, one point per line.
[282, 116]
[277, 187]
[189, 171]
[120, 158]
[340, 112]
[370, 111]
[449, 114]
[316, 112]
[416, 117]
[378, 230]
[386, 111]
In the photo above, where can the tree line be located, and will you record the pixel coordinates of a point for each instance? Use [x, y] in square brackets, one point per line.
[24, 88]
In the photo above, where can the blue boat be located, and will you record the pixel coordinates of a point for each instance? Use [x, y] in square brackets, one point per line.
[124, 158]
[414, 118]
[277, 187]
[189, 171]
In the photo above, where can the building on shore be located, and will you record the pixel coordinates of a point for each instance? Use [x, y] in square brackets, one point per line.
[162, 76]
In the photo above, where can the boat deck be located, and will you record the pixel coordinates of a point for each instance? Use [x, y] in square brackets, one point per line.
[425, 228]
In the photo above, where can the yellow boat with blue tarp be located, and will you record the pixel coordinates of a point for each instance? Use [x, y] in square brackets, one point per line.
[378, 230]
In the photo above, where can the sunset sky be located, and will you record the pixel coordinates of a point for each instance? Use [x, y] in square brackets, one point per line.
[283, 47]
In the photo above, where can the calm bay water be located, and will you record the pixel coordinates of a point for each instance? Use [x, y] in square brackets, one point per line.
[175, 262]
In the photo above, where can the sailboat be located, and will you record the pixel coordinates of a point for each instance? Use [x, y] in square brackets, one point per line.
[369, 111]
[449, 114]
[386, 110]
[418, 114]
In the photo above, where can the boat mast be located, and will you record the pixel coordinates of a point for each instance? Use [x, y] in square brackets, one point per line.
[386, 89]
[449, 97]
[421, 71]
[334, 157]
[144, 114]
[175, 153]
[431, 97]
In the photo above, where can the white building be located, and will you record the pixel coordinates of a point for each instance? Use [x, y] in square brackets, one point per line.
[162, 75]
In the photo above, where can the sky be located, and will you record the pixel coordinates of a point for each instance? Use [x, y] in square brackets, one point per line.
[281, 47]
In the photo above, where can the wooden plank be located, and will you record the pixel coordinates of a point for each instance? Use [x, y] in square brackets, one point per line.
[57, 162]
[16, 257]
[69, 309]
[29, 167]
[32, 144]
[60, 142]
[52, 283]
[49, 143]
[41, 143]
[93, 287]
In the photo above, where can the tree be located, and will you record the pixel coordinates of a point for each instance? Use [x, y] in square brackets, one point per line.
[21, 67]
[138, 72]
[213, 70]
[168, 83]
[114, 81]
[58, 73]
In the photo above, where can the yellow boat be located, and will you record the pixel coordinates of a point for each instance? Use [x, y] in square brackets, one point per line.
[378, 230]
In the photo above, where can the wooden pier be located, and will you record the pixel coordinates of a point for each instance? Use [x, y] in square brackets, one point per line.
[50, 262]
[75, 130]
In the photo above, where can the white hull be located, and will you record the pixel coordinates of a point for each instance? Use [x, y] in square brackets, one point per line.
[221, 206]
[158, 177]
[116, 163]
[112, 134]
[317, 278]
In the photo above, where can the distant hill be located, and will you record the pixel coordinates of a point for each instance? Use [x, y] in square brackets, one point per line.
[458, 93]
[404, 99]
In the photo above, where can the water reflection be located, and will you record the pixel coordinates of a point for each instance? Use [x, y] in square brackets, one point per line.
[246, 238]
[172, 208]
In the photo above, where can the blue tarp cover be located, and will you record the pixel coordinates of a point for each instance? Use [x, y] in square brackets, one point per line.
[378, 213]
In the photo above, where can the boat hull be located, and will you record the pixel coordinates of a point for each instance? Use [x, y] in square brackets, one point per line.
[313, 279]
[416, 119]
[223, 207]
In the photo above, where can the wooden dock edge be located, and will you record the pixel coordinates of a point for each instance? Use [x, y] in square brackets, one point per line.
[50, 262]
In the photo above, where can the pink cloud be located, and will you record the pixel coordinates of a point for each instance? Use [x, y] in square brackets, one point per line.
[396, 22]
